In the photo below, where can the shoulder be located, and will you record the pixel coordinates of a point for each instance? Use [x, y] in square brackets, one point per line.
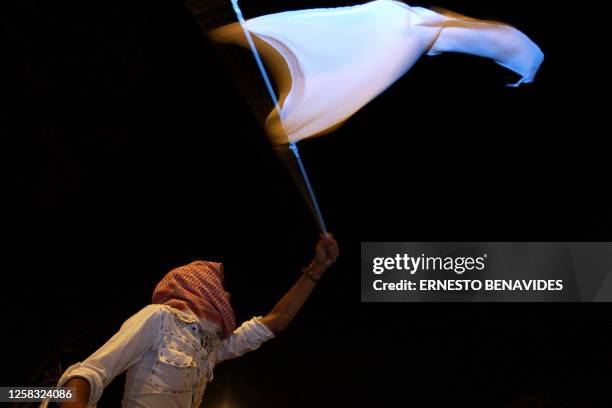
[147, 315]
[153, 310]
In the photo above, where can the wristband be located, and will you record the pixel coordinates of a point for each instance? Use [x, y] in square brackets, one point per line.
[308, 272]
[309, 276]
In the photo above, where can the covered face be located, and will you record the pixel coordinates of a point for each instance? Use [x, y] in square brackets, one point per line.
[198, 287]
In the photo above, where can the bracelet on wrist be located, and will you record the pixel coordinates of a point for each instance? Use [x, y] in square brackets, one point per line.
[310, 273]
[309, 276]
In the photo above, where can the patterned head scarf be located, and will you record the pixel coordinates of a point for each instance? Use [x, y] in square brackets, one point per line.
[198, 287]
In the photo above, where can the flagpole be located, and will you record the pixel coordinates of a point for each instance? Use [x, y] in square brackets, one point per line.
[313, 198]
[292, 146]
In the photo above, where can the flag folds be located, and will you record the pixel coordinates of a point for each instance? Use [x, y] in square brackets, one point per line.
[328, 63]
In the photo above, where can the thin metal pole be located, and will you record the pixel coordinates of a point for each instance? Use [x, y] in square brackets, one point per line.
[292, 146]
[311, 193]
[258, 60]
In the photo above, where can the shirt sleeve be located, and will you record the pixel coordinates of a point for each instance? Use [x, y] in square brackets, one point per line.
[135, 337]
[249, 336]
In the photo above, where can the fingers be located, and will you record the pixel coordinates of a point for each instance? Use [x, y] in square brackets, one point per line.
[327, 249]
[327, 238]
[330, 246]
[334, 250]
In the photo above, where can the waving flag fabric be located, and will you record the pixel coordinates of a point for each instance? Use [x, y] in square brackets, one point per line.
[329, 63]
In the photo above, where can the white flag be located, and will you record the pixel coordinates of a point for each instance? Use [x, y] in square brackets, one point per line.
[328, 63]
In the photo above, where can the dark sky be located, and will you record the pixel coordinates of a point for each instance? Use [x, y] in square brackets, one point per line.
[128, 150]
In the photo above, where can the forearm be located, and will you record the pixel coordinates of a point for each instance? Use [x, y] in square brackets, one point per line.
[81, 391]
[285, 310]
[289, 305]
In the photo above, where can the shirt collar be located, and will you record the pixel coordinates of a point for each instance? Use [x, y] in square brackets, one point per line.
[206, 325]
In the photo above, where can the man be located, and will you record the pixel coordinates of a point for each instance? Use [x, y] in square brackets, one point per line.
[170, 347]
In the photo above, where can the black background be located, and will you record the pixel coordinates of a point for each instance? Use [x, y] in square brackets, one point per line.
[128, 150]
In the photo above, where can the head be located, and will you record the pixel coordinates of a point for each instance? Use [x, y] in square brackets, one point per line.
[198, 287]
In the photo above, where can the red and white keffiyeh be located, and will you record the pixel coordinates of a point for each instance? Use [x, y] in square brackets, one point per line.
[198, 287]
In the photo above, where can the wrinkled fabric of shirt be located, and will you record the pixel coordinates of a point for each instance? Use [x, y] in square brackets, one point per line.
[169, 356]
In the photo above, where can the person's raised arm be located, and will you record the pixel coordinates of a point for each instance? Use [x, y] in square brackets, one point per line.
[290, 304]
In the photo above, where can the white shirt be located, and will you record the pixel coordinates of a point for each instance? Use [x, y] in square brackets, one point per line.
[169, 356]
